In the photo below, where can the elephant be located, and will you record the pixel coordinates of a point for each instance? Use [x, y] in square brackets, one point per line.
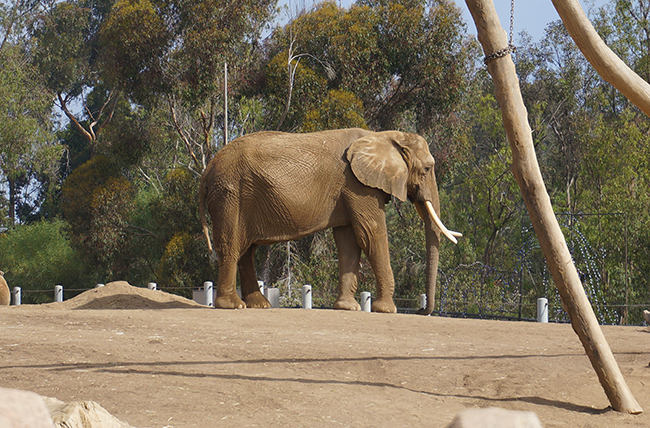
[270, 187]
[5, 294]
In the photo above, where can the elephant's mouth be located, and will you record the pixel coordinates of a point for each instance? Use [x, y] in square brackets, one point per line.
[448, 233]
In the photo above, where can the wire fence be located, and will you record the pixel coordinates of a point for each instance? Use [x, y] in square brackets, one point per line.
[467, 291]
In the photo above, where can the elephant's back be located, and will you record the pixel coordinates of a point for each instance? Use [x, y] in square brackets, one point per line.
[268, 142]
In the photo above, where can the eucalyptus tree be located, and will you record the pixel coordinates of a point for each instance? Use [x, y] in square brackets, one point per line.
[172, 54]
[28, 152]
[65, 37]
[404, 60]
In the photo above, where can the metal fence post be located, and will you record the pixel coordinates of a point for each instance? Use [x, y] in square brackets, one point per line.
[542, 309]
[306, 296]
[365, 301]
[209, 297]
[17, 296]
[58, 293]
[273, 296]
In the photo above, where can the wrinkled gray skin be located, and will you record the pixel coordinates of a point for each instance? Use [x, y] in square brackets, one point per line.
[272, 187]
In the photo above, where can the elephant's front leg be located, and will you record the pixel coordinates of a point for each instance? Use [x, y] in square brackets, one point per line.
[349, 256]
[374, 240]
[227, 297]
[250, 291]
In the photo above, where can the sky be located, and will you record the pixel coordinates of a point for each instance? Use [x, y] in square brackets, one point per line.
[530, 15]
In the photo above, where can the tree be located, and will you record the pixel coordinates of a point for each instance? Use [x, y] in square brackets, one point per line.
[39, 256]
[399, 58]
[179, 61]
[27, 147]
[96, 201]
[65, 52]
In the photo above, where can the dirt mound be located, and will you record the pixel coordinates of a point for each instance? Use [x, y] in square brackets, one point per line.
[122, 295]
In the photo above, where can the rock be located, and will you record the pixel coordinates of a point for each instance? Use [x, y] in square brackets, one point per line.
[493, 417]
[82, 414]
[23, 409]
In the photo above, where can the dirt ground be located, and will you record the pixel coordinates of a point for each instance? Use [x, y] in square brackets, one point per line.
[157, 360]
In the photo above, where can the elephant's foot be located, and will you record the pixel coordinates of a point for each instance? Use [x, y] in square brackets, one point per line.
[230, 301]
[257, 300]
[384, 305]
[347, 303]
[424, 311]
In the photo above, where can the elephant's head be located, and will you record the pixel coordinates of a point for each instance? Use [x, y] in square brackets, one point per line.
[401, 165]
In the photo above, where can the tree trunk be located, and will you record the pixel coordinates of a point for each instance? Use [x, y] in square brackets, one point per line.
[607, 64]
[526, 170]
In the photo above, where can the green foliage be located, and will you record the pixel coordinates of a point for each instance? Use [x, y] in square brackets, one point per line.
[134, 39]
[96, 201]
[38, 257]
[184, 264]
[27, 149]
[395, 58]
[340, 109]
[317, 266]
[308, 88]
[64, 48]
[406, 237]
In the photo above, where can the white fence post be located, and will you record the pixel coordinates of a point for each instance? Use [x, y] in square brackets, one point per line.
[152, 286]
[423, 301]
[209, 297]
[542, 309]
[99, 285]
[261, 285]
[365, 301]
[273, 296]
[17, 296]
[306, 296]
[58, 293]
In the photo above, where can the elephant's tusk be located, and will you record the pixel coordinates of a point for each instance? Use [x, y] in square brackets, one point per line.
[448, 233]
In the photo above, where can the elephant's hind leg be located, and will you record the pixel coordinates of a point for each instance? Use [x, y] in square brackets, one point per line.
[349, 257]
[249, 289]
[227, 297]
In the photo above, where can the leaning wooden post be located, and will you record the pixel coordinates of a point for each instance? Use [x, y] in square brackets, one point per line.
[526, 170]
[607, 63]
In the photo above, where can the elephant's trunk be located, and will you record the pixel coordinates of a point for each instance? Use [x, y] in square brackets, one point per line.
[432, 233]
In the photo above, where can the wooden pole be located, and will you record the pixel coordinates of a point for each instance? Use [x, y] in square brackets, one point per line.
[225, 103]
[607, 64]
[526, 170]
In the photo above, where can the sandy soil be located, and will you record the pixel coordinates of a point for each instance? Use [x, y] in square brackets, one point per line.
[157, 360]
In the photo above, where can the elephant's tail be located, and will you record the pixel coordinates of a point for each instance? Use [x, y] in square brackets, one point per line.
[204, 221]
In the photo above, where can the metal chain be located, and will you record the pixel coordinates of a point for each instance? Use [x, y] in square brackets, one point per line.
[511, 47]
[512, 21]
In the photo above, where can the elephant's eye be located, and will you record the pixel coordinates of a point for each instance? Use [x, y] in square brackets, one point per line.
[427, 169]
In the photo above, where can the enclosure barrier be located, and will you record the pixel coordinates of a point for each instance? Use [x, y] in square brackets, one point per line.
[542, 309]
[306, 296]
[17, 296]
[273, 296]
[452, 304]
[365, 301]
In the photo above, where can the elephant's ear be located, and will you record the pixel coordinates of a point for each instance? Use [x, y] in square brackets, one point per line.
[377, 162]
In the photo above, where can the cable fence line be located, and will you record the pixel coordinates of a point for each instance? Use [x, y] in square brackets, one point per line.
[491, 294]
